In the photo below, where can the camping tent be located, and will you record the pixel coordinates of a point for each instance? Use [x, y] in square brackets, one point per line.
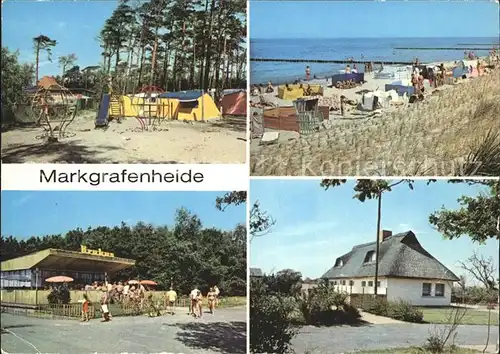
[187, 105]
[234, 103]
[463, 68]
[375, 99]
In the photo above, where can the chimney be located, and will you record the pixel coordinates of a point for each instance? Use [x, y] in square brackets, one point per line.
[383, 235]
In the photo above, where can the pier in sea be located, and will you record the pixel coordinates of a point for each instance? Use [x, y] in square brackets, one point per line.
[444, 48]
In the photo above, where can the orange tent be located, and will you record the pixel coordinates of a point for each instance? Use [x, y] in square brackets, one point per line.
[234, 104]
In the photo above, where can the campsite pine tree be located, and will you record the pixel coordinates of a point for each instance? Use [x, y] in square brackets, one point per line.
[66, 61]
[42, 43]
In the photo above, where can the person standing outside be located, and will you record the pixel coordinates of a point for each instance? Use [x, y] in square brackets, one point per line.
[85, 308]
[308, 73]
[216, 292]
[211, 300]
[193, 301]
[171, 298]
[104, 306]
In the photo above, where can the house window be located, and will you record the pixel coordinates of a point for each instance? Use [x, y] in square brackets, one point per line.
[363, 283]
[339, 263]
[351, 282]
[378, 284]
[370, 257]
[439, 290]
[426, 289]
[334, 282]
[370, 283]
[342, 282]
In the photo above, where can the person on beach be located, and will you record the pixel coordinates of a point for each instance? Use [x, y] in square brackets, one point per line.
[479, 68]
[170, 297]
[270, 88]
[85, 308]
[342, 99]
[347, 69]
[308, 73]
[354, 69]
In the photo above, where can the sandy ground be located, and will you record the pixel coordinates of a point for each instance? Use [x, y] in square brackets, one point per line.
[222, 141]
[221, 333]
[432, 137]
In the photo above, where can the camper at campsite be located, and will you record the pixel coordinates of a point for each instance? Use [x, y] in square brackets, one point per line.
[194, 301]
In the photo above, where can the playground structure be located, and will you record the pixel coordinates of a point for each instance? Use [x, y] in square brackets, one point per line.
[54, 108]
[151, 107]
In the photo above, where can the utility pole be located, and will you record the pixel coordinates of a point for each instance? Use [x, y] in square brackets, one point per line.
[379, 212]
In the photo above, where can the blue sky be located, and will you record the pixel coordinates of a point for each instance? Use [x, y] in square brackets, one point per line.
[366, 19]
[75, 26]
[39, 213]
[314, 227]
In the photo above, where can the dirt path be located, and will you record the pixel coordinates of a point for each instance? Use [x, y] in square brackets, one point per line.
[173, 142]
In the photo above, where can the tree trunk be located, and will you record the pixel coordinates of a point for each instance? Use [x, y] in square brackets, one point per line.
[203, 47]
[208, 49]
[153, 58]
[37, 60]
[129, 64]
[164, 80]
[379, 212]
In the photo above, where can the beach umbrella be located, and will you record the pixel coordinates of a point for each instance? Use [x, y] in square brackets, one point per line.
[59, 279]
[133, 282]
[148, 282]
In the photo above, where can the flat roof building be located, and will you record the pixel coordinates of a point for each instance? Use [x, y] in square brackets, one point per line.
[84, 267]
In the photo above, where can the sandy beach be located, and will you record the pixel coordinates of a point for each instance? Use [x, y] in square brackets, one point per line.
[221, 141]
[432, 137]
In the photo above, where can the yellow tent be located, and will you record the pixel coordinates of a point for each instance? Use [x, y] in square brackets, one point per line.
[185, 105]
[292, 92]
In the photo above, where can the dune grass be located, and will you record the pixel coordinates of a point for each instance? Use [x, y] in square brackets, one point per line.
[454, 131]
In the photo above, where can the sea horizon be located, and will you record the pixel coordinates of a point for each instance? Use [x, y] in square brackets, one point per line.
[358, 48]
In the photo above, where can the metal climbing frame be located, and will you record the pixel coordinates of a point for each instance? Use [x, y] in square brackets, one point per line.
[54, 109]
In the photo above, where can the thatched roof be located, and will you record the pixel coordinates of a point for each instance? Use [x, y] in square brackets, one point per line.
[401, 255]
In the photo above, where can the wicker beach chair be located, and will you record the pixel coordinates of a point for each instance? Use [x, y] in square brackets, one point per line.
[309, 118]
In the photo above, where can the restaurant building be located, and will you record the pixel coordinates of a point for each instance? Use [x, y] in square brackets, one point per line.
[84, 267]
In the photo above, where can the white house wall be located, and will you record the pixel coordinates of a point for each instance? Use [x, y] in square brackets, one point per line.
[411, 290]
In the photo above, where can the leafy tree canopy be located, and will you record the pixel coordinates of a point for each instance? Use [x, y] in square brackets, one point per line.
[186, 254]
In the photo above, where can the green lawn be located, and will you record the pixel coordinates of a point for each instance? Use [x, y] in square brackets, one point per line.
[416, 350]
[232, 301]
[471, 317]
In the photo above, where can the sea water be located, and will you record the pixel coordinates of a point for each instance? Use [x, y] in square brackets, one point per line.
[369, 49]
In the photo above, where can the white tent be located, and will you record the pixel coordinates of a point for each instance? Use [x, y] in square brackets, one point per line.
[378, 99]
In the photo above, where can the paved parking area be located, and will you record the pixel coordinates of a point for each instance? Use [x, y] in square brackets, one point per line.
[221, 333]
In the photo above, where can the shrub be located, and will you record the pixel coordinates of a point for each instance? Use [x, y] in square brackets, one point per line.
[376, 305]
[434, 344]
[59, 295]
[326, 307]
[404, 311]
[271, 329]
